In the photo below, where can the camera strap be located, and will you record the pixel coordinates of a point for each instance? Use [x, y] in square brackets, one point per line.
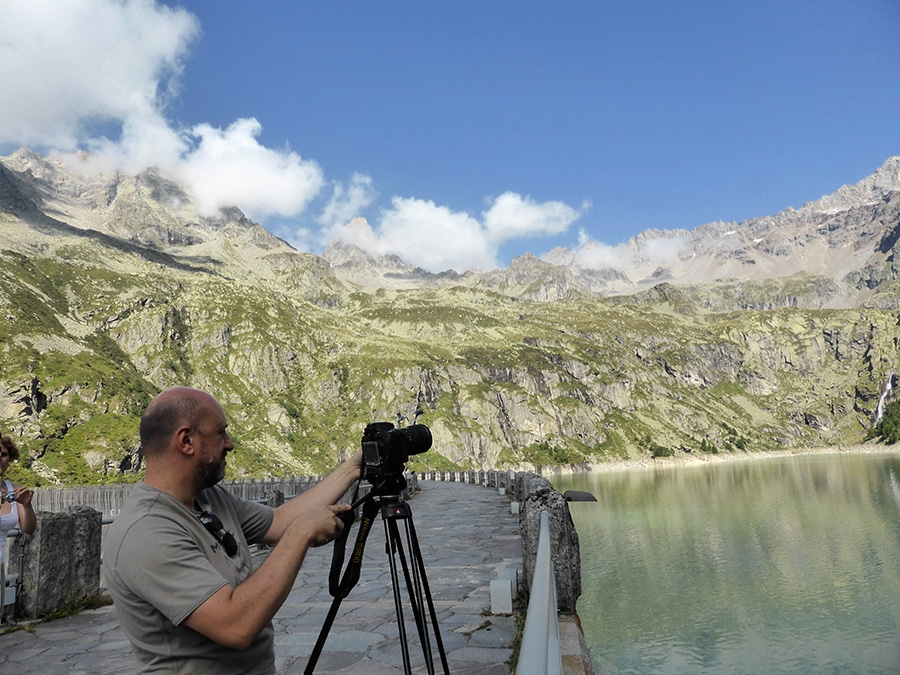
[337, 587]
[340, 587]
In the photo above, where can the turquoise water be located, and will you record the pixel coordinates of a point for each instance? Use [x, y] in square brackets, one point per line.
[786, 565]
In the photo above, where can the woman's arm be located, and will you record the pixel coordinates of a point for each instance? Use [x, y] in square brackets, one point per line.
[27, 519]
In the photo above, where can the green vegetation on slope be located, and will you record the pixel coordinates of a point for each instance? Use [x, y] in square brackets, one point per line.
[888, 427]
[502, 382]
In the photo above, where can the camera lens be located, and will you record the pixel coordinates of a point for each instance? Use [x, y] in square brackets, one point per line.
[416, 438]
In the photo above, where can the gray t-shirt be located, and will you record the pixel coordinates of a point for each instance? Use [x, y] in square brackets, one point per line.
[160, 564]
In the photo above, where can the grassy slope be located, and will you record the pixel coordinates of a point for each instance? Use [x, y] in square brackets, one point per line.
[88, 340]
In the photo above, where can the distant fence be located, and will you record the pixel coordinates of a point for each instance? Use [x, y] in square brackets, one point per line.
[487, 478]
[108, 499]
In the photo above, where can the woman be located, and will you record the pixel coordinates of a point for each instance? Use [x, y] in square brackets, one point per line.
[15, 508]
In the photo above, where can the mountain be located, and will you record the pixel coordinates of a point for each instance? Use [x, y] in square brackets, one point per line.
[777, 332]
[836, 252]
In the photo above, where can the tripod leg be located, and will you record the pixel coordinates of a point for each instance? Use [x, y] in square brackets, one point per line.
[392, 544]
[415, 583]
[419, 564]
[323, 635]
[414, 588]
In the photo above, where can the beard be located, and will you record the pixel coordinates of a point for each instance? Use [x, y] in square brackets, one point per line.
[211, 472]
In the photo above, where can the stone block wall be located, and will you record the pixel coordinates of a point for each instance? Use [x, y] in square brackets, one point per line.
[61, 561]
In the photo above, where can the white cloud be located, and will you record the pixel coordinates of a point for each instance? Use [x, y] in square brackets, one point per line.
[630, 257]
[512, 217]
[434, 237]
[595, 255]
[347, 203]
[662, 251]
[230, 168]
[146, 140]
[437, 238]
[359, 233]
[67, 68]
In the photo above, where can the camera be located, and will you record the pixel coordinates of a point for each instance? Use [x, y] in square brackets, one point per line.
[9, 497]
[386, 449]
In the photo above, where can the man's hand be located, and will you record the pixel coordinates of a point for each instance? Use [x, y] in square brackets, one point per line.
[324, 493]
[319, 525]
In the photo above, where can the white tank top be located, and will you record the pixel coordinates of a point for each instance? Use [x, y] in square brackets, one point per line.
[8, 521]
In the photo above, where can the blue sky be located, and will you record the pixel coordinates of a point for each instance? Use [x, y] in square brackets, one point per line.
[464, 133]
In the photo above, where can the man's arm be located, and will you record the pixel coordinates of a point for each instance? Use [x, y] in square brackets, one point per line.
[324, 493]
[235, 616]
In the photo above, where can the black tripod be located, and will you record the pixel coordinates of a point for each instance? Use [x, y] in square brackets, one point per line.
[393, 509]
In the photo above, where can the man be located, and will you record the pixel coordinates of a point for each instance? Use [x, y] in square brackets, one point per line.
[176, 559]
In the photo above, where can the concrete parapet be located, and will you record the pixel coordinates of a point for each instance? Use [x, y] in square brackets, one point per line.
[61, 561]
[573, 649]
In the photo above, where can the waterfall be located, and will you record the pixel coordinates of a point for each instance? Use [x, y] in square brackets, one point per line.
[895, 487]
[888, 388]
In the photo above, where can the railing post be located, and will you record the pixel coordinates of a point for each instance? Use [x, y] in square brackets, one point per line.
[274, 498]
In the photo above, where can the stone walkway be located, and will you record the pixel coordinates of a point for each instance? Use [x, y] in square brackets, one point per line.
[467, 536]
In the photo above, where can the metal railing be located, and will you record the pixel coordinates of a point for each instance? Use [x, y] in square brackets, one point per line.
[540, 653]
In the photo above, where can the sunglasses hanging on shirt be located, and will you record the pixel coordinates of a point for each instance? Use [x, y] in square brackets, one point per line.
[215, 527]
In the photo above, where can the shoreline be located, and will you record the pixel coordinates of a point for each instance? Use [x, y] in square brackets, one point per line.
[707, 459]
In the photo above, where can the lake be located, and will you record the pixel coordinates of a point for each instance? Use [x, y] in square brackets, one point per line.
[775, 565]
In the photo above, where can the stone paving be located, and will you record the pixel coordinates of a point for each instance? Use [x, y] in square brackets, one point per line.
[467, 536]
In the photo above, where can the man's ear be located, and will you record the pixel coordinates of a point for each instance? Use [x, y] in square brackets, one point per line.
[184, 438]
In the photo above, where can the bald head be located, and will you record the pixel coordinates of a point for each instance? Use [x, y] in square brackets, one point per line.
[170, 410]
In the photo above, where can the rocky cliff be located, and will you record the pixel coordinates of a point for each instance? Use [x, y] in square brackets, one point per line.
[113, 288]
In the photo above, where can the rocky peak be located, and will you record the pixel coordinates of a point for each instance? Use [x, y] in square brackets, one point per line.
[869, 190]
[361, 268]
[162, 190]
